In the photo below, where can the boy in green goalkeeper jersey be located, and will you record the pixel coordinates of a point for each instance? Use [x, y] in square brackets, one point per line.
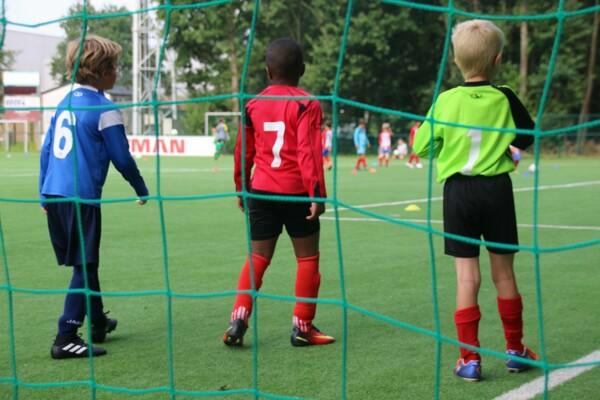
[475, 164]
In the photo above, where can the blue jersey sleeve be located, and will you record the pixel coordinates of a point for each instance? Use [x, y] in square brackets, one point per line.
[113, 133]
[45, 156]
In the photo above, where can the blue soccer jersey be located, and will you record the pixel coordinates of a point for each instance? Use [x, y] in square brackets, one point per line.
[80, 144]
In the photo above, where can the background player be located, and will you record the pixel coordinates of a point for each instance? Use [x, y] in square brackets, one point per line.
[385, 145]
[283, 143]
[221, 133]
[327, 141]
[413, 159]
[401, 149]
[74, 161]
[361, 142]
[478, 195]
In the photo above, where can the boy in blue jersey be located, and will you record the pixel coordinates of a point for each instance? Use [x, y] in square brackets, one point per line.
[475, 164]
[77, 150]
[361, 142]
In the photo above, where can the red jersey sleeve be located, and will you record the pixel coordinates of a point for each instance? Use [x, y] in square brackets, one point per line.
[310, 149]
[250, 153]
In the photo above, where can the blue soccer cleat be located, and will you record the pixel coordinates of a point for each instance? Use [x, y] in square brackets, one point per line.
[470, 371]
[517, 366]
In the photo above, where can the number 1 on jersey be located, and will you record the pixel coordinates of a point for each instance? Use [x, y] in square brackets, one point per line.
[279, 128]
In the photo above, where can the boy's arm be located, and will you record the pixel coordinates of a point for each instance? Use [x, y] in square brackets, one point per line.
[44, 158]
[112, 131]
[309, 150]
[521, 117]
[250, 153]
[422, 139]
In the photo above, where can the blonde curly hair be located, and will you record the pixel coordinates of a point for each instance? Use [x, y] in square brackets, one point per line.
[98, 56]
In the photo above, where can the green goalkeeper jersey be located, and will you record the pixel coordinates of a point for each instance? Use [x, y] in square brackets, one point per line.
[474, 151]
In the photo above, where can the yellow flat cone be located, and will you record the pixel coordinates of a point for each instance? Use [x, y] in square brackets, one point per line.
[412, 207]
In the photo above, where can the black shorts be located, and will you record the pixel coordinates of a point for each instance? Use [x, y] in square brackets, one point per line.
[267, 217]
[476, 206]
[64, 232]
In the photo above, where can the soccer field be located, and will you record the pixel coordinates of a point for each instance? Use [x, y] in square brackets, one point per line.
[390, 351]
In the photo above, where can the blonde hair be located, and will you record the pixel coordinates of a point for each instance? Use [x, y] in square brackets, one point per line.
[476, 45]
[98, 56]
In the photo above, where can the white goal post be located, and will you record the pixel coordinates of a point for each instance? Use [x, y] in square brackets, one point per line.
[6, 127]
[207, 115]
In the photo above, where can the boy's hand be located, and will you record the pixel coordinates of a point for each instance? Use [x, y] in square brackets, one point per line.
[44, 209]
[316, 209]
[240, 203]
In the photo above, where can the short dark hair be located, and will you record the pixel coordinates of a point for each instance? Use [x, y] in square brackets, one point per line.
[284, 59]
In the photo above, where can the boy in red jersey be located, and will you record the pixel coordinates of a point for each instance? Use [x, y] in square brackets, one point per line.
[283, 143]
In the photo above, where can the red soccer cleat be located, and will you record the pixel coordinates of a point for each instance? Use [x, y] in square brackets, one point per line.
[314, 337]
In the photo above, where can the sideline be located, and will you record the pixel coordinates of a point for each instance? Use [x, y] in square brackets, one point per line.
[555, 378]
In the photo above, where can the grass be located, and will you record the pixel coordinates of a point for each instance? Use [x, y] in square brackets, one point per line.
[386, 270]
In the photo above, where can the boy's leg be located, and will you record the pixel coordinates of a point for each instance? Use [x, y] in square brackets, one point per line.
[75, 303]
[67, 343]
[262, 252]
[467, 313]
[74, 307]
[358, 162]
[363, 160]
[510, 305]
[510, 308]
[308, 280]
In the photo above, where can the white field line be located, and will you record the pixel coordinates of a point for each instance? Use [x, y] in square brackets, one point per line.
[438, 198]
[555, 378]
[437, 221]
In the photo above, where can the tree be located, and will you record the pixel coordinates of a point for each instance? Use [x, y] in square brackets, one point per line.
[117, 29]
[210, 46]
[524, 44]
[585, 106]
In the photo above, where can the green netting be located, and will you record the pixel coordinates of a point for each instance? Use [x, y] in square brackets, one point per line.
[451, 12]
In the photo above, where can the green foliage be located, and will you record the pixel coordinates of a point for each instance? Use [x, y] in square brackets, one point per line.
[393, 53]
[117, 29]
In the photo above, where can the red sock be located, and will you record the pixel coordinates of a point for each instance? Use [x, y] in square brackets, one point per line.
[243, 302]
[358, 162]
[308, 280]
[363, 161]
[467, 329]
[511, 314]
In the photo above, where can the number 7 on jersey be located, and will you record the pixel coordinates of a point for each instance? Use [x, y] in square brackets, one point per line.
[279, 128]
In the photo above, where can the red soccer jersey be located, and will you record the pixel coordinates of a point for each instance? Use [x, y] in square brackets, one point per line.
[283, 142]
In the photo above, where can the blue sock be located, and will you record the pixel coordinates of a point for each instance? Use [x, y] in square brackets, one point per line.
[75, 303]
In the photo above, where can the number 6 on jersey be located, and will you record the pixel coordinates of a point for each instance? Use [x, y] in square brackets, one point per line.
[279, 128]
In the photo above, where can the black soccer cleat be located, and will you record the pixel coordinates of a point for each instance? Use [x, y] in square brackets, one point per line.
[99, 332]
[234, 335]
[73, 347]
